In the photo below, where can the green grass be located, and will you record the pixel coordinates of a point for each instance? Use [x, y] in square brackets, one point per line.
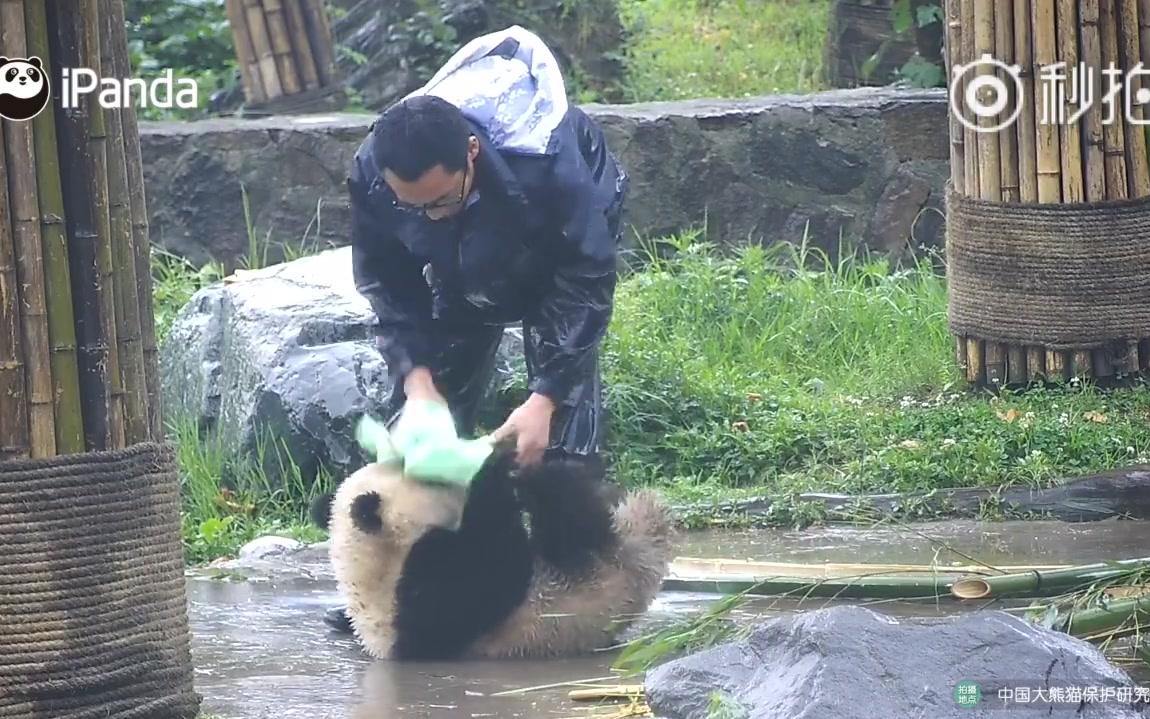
[765, 372]
[780, 372]
[681, 49]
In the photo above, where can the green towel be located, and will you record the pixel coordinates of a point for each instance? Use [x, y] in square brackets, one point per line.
[426, 441]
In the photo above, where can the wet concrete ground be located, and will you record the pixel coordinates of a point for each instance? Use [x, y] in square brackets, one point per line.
[262, 651]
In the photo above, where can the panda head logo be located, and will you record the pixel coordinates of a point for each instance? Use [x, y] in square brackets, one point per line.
[24, 88]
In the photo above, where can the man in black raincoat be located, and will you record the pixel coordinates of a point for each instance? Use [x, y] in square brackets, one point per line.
[485, 200]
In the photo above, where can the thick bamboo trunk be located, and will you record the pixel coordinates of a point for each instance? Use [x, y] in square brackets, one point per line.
[13, 400]
[127, 306]
[79, 173]
[25, 217]
[1130, 53]
[58, 290]
[250, 72]
[141, 246]
[319, 33]
[277, 26]
[301, 44]
[262, 47]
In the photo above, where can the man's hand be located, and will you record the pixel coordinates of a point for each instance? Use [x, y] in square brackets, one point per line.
[419, 385]
[531, 425]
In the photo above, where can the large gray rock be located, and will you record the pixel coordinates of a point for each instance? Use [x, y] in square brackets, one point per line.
[865, 165]
[854, 663]
[284, 354]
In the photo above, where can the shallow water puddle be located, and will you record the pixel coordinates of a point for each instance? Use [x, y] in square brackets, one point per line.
[261, 648]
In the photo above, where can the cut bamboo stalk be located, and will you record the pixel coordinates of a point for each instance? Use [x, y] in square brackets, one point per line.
[1025, 127]
[971, 170]
[58, 289]
[960, 354]
[14, 430]
[141, 245]
[78, 175]
[1026, 143]
[1130, 54]
[1113, 616]
[24, 213]
[958, 87]
[301, 44]
[1008, 139]
[262, 45]
[319, 33]
[1048, 582]
[89, 10]
[1114, 125]
[245, 54]
[1092, 121]
[1048, 160]
[1131, 364]
[615, 691]
[127, 307]
[989, 163]
[277, 27]
[1069, 132]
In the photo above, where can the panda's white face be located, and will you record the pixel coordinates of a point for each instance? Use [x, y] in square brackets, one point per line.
[21, 79]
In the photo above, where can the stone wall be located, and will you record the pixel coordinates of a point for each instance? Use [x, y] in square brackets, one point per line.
[867, 166]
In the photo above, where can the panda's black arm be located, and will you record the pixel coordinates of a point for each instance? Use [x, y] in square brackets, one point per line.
[458, 585]
[571, 521]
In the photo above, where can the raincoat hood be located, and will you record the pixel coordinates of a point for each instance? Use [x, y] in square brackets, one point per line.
[508, 83]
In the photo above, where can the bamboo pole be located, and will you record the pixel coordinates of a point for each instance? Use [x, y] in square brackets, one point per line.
[319, 33]
[78, 174]
[989, 164]
[301, 44]
[975, 364]
[1037, 582]
[14, 430]
[953, 47]
[1026, 143]
[89, 11]
[141, 245]
[127, 306]
[61, 318]
[1016, 372]
[262, 46]
[1130, 53]
[1069, 132]
[1113, 130]
[1048, 157]
[245, 53]
[1095, 161]
[281, 45]
[24, 209]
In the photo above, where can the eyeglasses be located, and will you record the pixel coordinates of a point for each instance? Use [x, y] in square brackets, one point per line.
[437, 205]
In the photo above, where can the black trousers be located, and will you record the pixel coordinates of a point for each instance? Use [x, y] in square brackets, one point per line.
[463, 366]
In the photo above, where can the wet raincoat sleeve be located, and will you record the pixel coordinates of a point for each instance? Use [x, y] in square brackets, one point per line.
[575, 313]
[391, 279]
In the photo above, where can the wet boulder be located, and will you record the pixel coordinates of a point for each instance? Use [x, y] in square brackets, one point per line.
[854, 663]
[279, 364]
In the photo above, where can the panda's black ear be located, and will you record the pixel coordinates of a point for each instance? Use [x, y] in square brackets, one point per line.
[3, 60]
[35, 61]
[365, 511]
[321, 510]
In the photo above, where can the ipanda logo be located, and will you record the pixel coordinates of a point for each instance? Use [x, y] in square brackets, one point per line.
[25, 89]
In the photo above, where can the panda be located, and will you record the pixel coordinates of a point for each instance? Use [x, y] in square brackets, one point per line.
[435, 571]
[24, 88]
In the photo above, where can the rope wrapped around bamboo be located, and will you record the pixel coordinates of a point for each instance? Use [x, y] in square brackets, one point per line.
[93, 614]
[1064, 276]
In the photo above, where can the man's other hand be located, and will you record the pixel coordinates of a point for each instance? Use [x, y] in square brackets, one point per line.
[530, 423]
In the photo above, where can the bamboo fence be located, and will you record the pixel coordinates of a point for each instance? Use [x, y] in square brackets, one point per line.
[1093, 156]
[285, 52]
[78, 369]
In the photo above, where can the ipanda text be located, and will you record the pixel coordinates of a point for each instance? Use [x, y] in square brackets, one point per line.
[164, 92]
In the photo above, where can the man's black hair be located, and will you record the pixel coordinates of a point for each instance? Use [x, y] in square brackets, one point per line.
[416, 134]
